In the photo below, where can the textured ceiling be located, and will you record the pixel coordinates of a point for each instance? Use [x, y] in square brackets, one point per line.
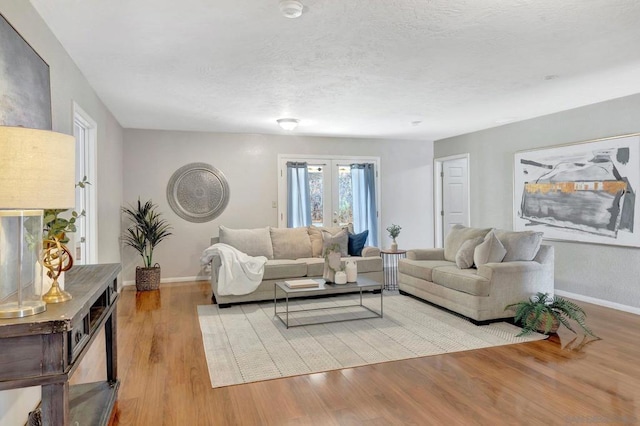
[361, 68]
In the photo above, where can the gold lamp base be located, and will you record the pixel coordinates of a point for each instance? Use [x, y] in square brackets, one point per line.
[56, 294]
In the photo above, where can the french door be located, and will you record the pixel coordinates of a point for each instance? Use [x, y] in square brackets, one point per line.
[331, 197]
[330, 187]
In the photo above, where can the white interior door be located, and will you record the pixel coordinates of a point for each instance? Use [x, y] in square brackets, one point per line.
[451, 195]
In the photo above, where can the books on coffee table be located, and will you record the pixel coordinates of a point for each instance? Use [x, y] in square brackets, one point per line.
[302, 283]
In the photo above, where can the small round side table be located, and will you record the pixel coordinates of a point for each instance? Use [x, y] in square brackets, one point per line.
[390, 265]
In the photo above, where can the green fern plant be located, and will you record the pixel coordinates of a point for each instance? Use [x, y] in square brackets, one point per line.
[146, 231]
[541, 311]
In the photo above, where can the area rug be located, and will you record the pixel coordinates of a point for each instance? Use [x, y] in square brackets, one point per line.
[247, 343]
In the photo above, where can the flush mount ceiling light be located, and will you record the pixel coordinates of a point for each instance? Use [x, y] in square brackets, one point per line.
[291, 8]
[288, 123]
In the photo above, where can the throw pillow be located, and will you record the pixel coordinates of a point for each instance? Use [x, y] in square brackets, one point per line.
[457, 235]
[290, 243]
[490, 250]
[254, 242]
[315, 235]
[335, 229]
[356, 243]
[341, 239]
[519, 245]
[464, 257]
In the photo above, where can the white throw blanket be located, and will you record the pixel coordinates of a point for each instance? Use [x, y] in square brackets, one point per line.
[239, 273]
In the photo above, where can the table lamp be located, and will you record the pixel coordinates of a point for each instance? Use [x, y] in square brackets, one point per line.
[37, 171]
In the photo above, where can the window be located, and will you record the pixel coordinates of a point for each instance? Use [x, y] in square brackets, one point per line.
[85, 239]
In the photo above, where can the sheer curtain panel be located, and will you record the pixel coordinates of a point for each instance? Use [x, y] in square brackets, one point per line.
[298, 198]
[365, 215]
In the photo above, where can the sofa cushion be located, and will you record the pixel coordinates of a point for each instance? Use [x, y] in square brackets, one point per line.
[464, 257]
[315, 235]
[290, 243]
[315, 266]
[284, 268]
[519, 245]
[464, 280]
[422, 269]
[341, 238]
[356, 243]
[254, 242]
[490, 250]
[457, 235]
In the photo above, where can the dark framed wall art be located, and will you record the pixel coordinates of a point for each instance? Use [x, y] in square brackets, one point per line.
[25, 86]
[580, 192]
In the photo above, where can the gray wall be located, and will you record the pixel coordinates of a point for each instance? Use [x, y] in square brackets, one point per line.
[68, 85]
[602, 272]
[250, 164]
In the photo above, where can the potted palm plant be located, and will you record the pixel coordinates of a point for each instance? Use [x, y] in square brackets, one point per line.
[146, 231]
[544, 314]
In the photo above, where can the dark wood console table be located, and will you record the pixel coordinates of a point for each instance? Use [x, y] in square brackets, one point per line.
[45, 349]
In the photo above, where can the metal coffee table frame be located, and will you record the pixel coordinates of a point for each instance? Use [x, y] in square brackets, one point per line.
[323, 288]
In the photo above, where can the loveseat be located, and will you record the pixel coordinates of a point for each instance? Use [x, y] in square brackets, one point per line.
[292, 253]
[479, 271]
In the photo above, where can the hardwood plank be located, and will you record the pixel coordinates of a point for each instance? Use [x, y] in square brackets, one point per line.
[165, 380]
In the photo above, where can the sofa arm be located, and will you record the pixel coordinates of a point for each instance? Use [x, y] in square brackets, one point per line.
[513, 282]
[426, 254]
[216, 262]
[545, 254]
[370, 252]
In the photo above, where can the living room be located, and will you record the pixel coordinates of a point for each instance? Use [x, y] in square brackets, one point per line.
[138, 152]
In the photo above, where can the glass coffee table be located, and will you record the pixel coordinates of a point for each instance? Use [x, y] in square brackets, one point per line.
[362, 284]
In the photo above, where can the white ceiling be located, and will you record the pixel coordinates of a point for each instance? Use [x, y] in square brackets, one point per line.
[359, 68]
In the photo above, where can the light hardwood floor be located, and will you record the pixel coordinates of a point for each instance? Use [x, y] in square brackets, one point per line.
[165, 379]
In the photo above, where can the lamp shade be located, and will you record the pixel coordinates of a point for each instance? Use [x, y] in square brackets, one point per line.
[37, 169]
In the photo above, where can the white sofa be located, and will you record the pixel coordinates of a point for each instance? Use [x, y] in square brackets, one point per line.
[291, 253]
[480, 292]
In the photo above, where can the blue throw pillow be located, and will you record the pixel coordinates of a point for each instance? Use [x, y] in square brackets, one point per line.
[356, 243]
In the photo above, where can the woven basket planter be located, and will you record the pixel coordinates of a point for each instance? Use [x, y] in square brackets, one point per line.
[555, 324]
[148, 278]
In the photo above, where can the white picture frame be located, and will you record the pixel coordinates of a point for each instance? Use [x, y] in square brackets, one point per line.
[584, 192]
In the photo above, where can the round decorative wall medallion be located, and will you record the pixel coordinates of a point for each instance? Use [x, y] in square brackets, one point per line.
[198, 192]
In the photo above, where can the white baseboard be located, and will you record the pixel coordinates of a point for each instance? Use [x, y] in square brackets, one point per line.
[172, 280]
[600, 302]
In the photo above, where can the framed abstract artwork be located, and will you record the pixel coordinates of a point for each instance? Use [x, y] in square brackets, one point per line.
[25, 88]
[580, 192]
